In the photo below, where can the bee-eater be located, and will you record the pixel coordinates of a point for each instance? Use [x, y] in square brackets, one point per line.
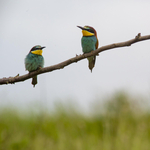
[34, 61]
[89, 43]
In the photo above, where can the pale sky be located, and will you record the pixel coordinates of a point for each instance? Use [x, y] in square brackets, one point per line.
[52, 23]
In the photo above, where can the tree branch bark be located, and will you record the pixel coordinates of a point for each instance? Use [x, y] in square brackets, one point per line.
[12, 80]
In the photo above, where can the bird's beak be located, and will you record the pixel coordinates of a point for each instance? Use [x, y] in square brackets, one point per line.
[81, 27]
[42, 47]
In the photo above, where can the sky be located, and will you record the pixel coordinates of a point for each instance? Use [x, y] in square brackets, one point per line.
[53, 23]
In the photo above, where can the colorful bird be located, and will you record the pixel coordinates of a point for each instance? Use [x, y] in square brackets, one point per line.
[34, 61]
[89, 43]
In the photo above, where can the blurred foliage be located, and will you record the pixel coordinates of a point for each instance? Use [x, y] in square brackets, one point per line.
[120, 126]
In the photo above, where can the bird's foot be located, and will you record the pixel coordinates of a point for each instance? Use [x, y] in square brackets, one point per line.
[96, 54]
[39, 68]
[83, 55]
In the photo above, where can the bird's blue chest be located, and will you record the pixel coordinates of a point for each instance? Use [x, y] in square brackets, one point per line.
[33, 62]
[88, 43]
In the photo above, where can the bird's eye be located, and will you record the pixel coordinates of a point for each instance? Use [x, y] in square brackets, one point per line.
[35, 48]
[91, 30]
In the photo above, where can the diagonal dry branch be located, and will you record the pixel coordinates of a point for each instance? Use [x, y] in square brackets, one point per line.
[12, 80]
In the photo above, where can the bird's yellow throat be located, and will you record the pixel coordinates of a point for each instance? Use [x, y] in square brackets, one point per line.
[87, 33]
[37, 52]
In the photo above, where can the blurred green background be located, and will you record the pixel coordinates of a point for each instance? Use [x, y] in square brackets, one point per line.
[121, 122]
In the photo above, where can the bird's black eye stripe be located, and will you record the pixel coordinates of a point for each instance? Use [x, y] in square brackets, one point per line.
[34, 48]
[91, 30]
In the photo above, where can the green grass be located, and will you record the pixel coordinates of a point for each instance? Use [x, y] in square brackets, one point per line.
[117, 127]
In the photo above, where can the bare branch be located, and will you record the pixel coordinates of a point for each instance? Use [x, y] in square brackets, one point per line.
[12, 80]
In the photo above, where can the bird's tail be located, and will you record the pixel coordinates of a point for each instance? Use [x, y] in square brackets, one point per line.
[91, 60]
[34, 81]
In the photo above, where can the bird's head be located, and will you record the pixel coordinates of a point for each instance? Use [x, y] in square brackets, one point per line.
[37, 50]
[88, 31]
